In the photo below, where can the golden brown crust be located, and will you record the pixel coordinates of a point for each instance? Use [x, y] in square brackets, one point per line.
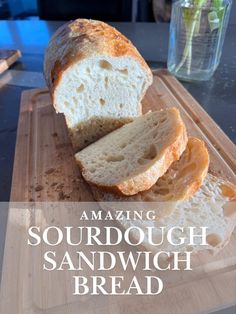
[81, 39]
[203, 160]
[148, 177]
[146, 180]
[229, 190]
[180, 182]
[215, 241]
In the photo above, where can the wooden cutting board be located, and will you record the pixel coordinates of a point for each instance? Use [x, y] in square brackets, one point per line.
[45, 170]
[7, 58]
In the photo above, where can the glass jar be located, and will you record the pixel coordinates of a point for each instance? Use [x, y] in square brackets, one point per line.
[197, 32]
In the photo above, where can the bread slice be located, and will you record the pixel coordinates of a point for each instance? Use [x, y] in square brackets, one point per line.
[212, 206]
[180, 182]
[96, 78]
[132, 158]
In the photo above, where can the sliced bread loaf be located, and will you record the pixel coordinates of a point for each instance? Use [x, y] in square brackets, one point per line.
[96, 77]
[212, 206]
[180, 182]
[132, 158]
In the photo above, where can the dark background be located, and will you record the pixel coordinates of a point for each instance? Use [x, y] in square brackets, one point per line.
[106, 10]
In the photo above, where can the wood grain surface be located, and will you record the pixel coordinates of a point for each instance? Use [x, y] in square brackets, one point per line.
[45, 171]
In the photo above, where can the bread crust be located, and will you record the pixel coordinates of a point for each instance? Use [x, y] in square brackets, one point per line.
[185, 184]
[80, 39]
[204, 159]
[228, 196]
[148, 177]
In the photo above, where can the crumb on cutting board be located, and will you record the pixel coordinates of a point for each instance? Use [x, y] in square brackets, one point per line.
[38, 188]
[49, 171]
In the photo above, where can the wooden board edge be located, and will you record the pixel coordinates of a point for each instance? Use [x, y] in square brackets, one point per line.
[28, 98]
[218, 138]
[23, 129]
[6, 63]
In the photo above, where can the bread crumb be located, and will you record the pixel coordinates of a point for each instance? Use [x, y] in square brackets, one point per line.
[49, 171]
[38, 188]
[60, 186]
[62, 196]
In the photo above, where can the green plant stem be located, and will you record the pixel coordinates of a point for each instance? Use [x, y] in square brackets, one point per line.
[188, 44]
[191, 19]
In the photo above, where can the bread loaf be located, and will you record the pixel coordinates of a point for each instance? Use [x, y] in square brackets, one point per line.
[96, 77]
[132, 158]
[180, 182]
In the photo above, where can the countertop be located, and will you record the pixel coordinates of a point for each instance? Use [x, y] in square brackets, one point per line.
[217, 96]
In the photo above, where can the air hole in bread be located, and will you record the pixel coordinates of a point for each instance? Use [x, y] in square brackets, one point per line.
[88, 70]
[189, 248]
[149, 154]
[106, 81]
[155, 134]
[213, 239]
[123, 145]
[105, 65]
[143, 85]
[80, 89]
[75, 100]
[163, 120]
[115, 158]
[229, 209]
[102, 101]
[121, 106]
[66, 104]
[124, 71]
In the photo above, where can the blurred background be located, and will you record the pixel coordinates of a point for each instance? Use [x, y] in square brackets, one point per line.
[106, 10]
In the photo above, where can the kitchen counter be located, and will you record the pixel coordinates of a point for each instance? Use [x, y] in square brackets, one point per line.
[217, 96]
